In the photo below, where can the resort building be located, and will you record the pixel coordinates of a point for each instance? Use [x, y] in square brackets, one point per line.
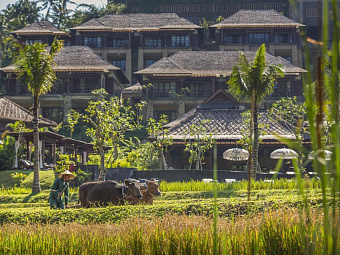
[79, 71]
[246, 30]
[135, 41]
[42, 32]
[187, 78]
[196, 10]
[221, 116]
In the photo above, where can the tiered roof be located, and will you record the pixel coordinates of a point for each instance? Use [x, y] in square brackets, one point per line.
[40, 28]
[209, 63]
[11, 112]
[223, 118]
[79, 59]
[137, 22]
[258, 19]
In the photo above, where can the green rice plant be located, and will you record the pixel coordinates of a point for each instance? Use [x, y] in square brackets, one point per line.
[275, 232]
[322, 103]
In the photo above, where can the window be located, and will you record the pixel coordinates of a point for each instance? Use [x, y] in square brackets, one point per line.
[180, 41]
[171, 115]
[233, 39]
[311, 12]
[93, 42]
[32, 41]
[258, 38]
[60, 86]
[153, 42]
[120, 63]
[199, 90]
[283, 38]
[120, 42]
[91, 84]
[288, 58]
[163, 89]
[55, 114]
[149, 62]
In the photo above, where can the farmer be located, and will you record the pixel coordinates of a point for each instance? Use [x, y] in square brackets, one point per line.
[60, 187]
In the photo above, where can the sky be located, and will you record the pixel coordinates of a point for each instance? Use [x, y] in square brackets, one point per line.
[4, 3]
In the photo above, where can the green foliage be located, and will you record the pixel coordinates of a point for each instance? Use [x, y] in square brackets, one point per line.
[6, 152]
[161, 139]
[14, 17]
[109, 121]
[245, 141]
[19, 178]
[6, 180]
[199, 140]
[35, 67]
[46, 180]
[63, 163]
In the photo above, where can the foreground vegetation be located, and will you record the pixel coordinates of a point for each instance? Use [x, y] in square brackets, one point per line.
[278, 232]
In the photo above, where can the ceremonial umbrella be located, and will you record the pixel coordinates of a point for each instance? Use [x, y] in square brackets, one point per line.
[236, 154]
[312, 155]
[283, 153]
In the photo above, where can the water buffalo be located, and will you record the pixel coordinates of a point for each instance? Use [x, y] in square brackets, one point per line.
[84, 191]
[149, 194]
[110, 192]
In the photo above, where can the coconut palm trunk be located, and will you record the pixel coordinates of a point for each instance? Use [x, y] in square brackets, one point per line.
[36, 179]
[255, 152]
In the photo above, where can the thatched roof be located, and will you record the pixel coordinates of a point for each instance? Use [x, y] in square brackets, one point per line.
[39, 28]
[257, 18]
[79, 59]
[138, 22]
[136, 88]
[11, 112]
[209, 63]
[225, 121]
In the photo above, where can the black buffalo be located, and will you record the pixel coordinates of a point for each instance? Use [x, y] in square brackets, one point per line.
[107, 192]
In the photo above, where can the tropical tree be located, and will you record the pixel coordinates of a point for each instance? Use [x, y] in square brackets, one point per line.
[108, 120]
[253, 81]
[35, 68]
[161, 137]
[15, 16]
[199, 140]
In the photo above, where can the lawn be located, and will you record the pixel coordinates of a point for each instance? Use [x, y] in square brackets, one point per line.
[6, 179]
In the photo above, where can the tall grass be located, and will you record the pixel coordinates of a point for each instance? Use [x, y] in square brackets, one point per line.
[274, 233]
[322, 101]
[289, 184]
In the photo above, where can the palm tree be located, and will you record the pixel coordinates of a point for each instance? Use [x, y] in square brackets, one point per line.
[253, 81]
[35, 67]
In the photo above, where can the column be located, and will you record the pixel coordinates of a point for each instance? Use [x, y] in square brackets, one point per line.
[40, 154]
[16, 148]
[54, 149]
[140, 58]
[84, 157]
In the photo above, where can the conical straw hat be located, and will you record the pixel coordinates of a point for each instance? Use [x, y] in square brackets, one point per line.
[67, 172]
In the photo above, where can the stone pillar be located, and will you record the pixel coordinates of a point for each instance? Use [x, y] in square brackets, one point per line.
[149, 110]
[82, 86]
[295, 55]
[140, 58]
[84, 157]
[67, 106]
[181, 109]
[16, 148]
[128, 70]
[102, 81]
[272, 49]
[54, 150]
[41, 156]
